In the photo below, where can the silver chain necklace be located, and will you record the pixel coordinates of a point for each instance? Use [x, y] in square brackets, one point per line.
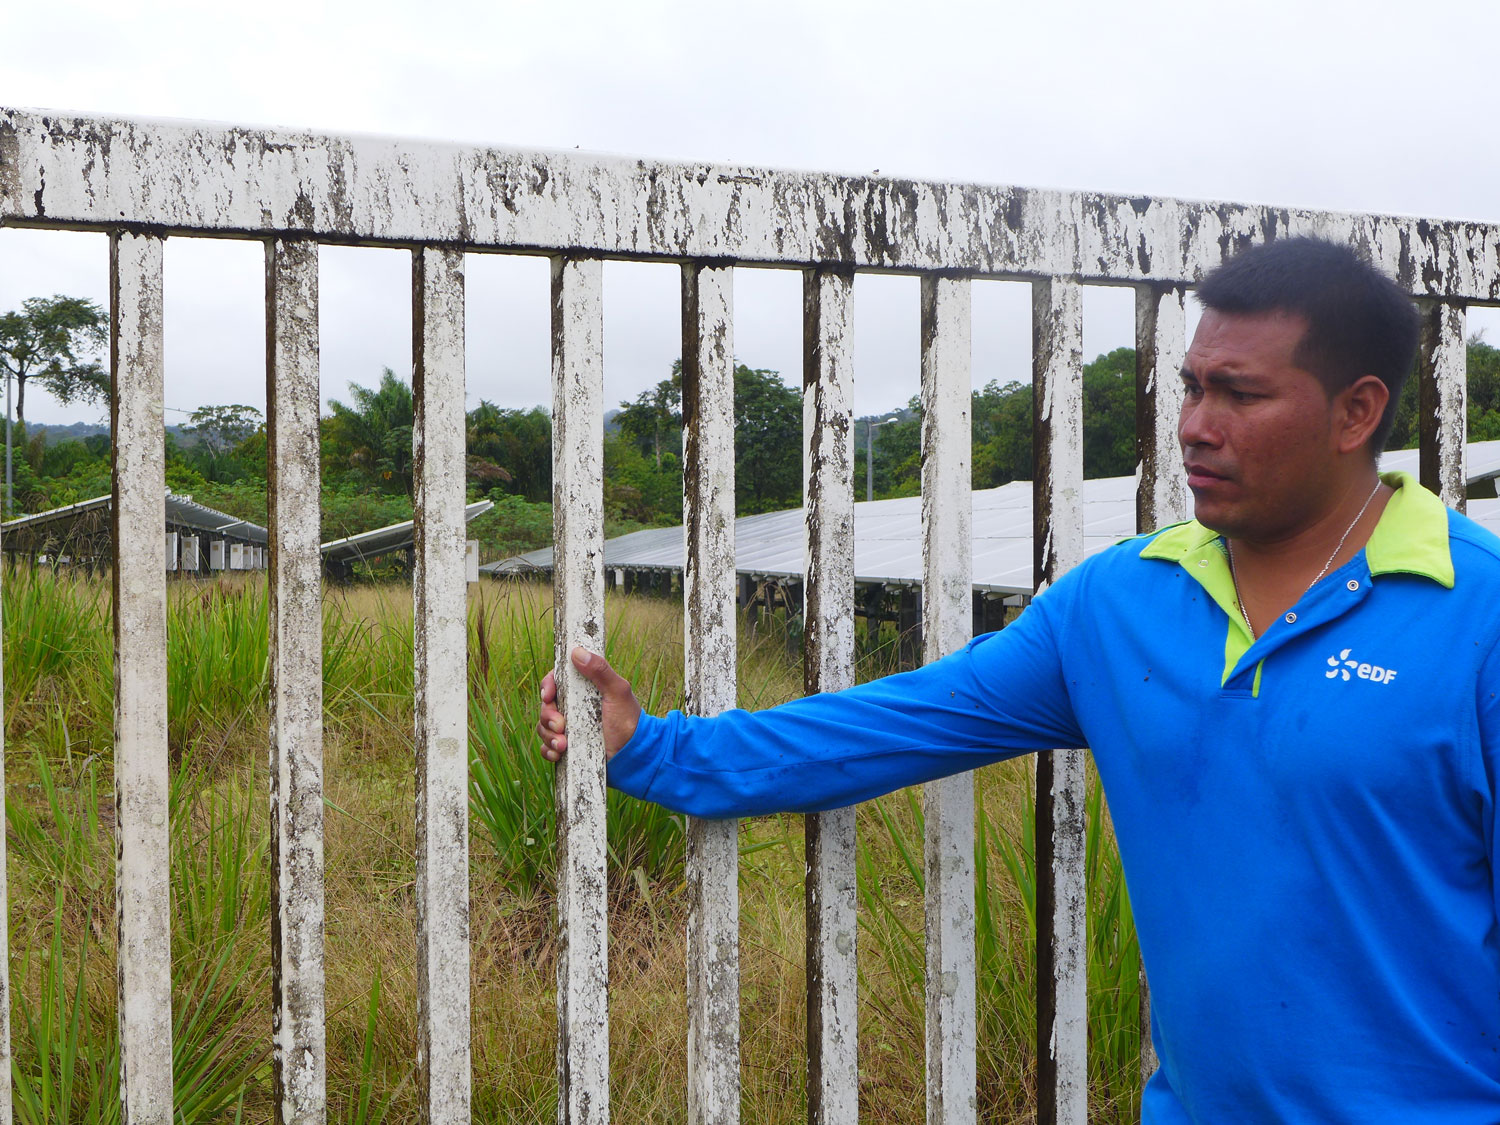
[1229, 550]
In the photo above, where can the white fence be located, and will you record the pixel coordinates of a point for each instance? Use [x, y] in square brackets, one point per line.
[142, 182]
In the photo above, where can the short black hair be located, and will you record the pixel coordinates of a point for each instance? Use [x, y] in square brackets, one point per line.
[1359, 321]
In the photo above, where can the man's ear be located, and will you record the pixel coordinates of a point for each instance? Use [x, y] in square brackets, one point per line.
[1358, 410]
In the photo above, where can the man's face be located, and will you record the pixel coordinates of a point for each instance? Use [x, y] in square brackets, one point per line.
[1257, 431]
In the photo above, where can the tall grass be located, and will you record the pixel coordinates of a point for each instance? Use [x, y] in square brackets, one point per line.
[66, 1042]
[217, 667]
[58, 694]
[58, 650]
[1005, 923]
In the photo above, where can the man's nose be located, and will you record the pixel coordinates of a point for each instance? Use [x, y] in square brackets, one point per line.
[1196, 424]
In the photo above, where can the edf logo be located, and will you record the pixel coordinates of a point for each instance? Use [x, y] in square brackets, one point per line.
[1342, 666]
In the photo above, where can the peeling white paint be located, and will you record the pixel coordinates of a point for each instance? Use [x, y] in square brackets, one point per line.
[1062, 1017]
[828, 665]
[440, 608]
[296, 663]
[947, 625]
[709, 666]
[578, 584]
[1443, 396]
[88, 171]
[1160, 350]
[143, 849]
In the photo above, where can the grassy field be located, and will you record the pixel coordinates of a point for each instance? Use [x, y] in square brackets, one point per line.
[59, 802]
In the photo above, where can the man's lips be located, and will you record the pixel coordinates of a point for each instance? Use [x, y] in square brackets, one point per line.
[1201, 475]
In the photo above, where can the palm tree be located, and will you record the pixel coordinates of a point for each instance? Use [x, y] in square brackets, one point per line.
[372, 437]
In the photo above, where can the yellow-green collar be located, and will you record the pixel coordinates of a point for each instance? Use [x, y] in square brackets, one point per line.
[1411, 537]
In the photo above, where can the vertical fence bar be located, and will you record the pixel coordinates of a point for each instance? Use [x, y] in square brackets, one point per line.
[296, 661]
[828, 665]
[578, 591]
[1161, 484]
[947, 624]
[1160, 349]
[1057, 444]
[143, 846]
[1442, 394]
[709, 587]
[440, 609]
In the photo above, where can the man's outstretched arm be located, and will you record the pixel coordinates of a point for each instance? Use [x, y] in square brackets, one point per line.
[1002, 695]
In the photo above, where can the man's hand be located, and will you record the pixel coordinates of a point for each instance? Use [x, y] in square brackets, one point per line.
[621, 710]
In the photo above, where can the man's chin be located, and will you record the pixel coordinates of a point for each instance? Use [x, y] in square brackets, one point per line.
[1215, 517]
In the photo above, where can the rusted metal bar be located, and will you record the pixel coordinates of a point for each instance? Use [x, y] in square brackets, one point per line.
[828, 665]
[75, 170]
[1160, 349]
[947, 621]
[1442, 393]
[578, 586]
[440, 607]
[1057, 444]
[1161, 484]
[296, 660]
[709, 659]
[142, 843]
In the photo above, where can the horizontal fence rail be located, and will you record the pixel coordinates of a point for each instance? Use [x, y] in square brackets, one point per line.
[65, 170]
[142, 181]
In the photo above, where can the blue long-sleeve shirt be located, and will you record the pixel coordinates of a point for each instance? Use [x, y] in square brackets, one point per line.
[1306, 820]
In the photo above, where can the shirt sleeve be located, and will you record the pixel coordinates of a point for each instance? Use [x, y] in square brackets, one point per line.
[1001, 695]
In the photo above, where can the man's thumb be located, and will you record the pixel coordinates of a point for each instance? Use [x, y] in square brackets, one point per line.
[592, 665]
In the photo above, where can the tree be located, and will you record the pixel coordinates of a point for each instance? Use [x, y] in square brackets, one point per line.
[1109, 415]
[767, 446]
[1001, 426]
[51, 339]
[898, 451]
[1482, 380]
[221, 428]
[653, 422]
[370, 440]
[767, 442]
[1002, 417]
[512, 450]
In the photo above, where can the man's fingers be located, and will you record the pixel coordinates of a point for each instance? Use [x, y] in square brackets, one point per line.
[550, 719]
[597, 671]
[549, 688]
[553, 744]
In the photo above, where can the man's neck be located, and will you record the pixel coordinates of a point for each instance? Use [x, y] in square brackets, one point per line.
[1273, 573]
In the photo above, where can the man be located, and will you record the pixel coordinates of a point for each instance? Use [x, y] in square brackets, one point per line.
[1291, 701]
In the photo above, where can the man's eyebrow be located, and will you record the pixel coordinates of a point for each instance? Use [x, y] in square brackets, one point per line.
[1221, 378]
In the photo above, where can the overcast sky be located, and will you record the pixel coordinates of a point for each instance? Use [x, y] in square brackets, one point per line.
[1374, 106]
